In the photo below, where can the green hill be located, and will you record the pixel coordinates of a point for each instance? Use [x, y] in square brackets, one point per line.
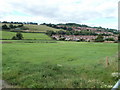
[40, 36]
[41, 28]
[34, 28]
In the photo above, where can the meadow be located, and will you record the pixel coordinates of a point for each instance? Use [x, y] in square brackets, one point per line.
[41, 28]
[37, 61]
[59, 65]
[33, 36]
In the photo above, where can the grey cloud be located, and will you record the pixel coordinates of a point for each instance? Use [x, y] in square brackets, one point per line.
[54, 11]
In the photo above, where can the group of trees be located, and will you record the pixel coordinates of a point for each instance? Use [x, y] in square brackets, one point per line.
[57, 27]
[67, 26]
[50, 33]
[99, 38]
[11, 26]
[6, 22]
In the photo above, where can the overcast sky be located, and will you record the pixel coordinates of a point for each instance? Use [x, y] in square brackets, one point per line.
[91, 12]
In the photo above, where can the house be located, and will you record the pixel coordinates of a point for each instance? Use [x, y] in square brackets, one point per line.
[102, 32]
[81, 37]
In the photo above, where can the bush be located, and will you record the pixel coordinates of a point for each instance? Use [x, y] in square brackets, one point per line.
[115, 41]
[99, 38]
[110, 39]
[18, 36]
[11, 26]
[5, 26]
[50, 33]
[14, 38]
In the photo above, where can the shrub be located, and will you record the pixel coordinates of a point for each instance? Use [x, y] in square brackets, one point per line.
[99, 38]
[110, 39]
[14, 38]
[5, 26]
[18, 36]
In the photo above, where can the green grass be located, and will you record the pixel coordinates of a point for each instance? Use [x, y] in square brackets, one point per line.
[41, 28]
[40, 36]
[61, 64]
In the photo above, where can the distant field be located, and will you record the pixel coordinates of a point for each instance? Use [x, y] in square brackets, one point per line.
[40, 36]
[61, 64]
[42, 28]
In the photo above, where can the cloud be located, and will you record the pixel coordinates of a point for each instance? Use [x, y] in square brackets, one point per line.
[78, 11]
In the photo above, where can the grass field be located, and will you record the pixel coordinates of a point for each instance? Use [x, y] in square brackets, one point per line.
[61, 64]
[42, 28]
[40, 36]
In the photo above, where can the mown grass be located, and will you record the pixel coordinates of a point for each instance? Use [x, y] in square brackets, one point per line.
[40, 36]
[62, 64]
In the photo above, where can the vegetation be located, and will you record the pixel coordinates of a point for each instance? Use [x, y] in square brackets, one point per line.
[40, 28]
[37, 61]
[32, 23]
[59, 65]
[11, 26]
[5, 27]
[100, 38]
[61, 32]
[110, 39]
[33, 36]
[68, 27]
[18, 36]
[31, 28]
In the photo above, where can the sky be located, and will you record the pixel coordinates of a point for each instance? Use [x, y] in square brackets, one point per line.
[90, 12]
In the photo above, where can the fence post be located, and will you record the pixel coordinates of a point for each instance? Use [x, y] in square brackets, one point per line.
[107, 62]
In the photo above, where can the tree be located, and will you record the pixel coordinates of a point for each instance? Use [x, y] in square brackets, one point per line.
[20, 25]
[18, 36]
[50, 32]
[5, 26]
[14, 38]
[61, 32]
[110, 39]
[99, 38]
[11, 26]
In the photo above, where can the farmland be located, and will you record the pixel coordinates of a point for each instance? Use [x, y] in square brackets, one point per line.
[38, 61]
[61, 64]
[41, 28]
[40, 36]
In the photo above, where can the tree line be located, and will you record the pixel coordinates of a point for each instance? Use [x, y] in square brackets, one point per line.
[11, 26]
[6, 22]
[61, 32]
[68, 27]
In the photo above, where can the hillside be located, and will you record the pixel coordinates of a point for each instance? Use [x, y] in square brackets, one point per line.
[40, 36]
[32, 28]
[41, 28]
[79, 27]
